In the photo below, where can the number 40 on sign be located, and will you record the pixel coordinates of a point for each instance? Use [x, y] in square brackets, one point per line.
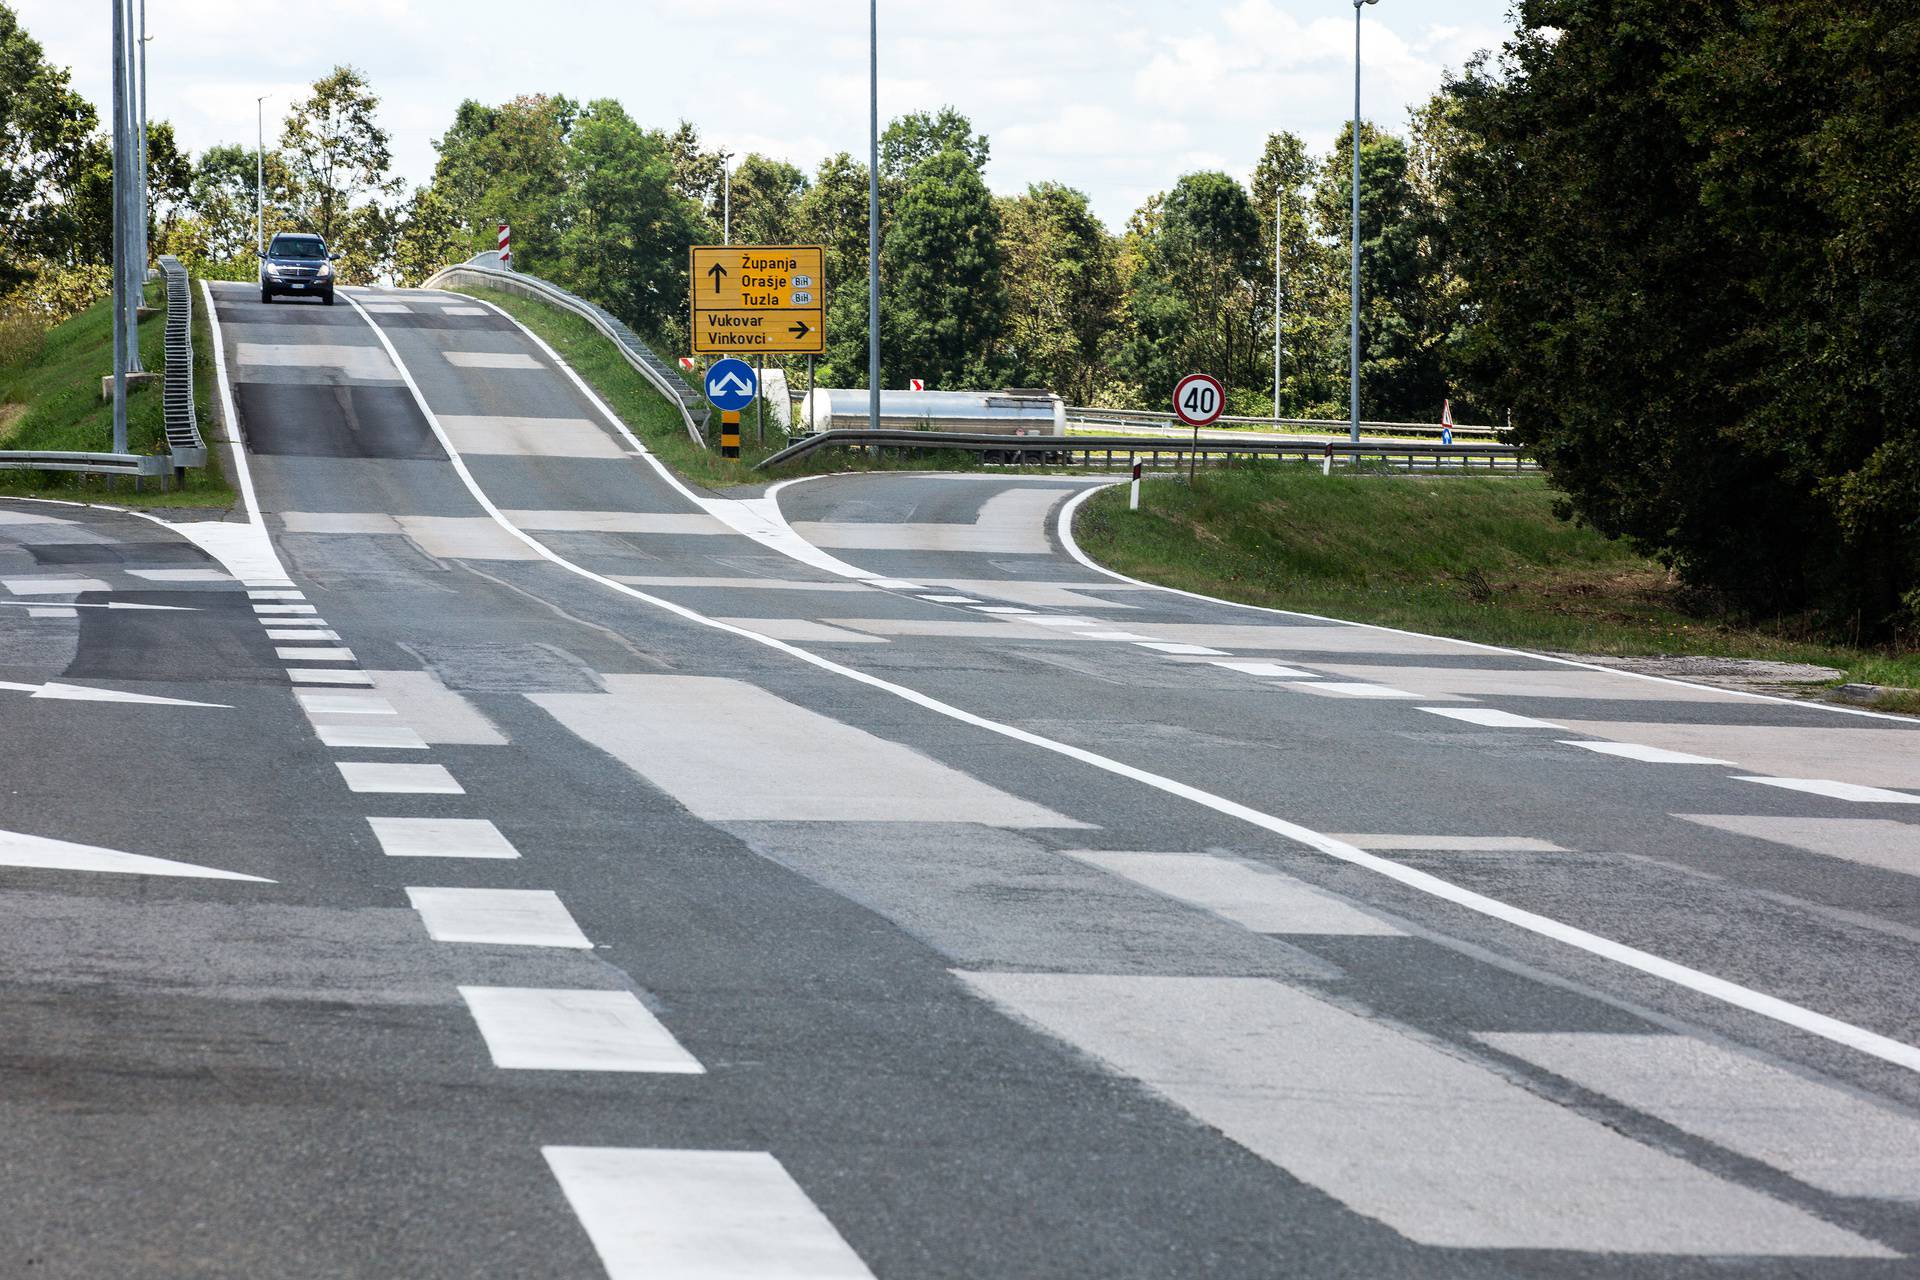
[1198, 401]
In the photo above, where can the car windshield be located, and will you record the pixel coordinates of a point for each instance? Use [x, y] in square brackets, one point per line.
[305, 247]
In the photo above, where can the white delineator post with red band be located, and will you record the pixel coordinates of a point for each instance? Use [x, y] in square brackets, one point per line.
[506, 246]
[1133, 497]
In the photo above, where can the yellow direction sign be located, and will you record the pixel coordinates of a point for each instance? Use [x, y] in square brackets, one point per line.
[751, 298]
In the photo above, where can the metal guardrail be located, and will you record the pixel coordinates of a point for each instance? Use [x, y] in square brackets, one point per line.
[137, 465]
[1114, 451]
[625, 340]
[1083, 416]
[184, 441]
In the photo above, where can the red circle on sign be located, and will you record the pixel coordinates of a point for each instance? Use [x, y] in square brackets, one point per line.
[1199, 400]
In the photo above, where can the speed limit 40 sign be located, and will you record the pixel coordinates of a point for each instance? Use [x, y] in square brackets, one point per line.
[1199, 400]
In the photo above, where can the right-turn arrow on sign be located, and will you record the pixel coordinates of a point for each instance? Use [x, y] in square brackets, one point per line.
[758, 299]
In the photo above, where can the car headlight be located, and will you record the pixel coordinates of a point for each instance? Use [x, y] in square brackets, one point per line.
[326, 270]
[272, 270]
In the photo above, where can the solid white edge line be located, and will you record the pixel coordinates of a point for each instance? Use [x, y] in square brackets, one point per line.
[1829, 1028]
[228, 413]
[1064, 527]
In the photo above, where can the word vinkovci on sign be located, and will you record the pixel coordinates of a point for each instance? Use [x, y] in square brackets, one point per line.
[758, 298]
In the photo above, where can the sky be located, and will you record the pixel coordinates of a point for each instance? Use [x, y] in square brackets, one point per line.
[1115, 97]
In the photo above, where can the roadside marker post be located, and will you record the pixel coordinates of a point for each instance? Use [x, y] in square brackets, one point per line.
[506, 247]
[1326, 461]
[731, 386]
[916, 384]
[729, 433]
[1133, 497]
[1198, 401]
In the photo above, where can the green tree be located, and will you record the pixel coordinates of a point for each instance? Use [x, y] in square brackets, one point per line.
[833, 213]
[337, 156]
[945, 299]
[1195, 272]
[430, 236]
[917, 137]
[509, 164]
[46, 146]
[627, 229]
[1312, 301]
[1063, 291]
[766, 200]
[1700, 301]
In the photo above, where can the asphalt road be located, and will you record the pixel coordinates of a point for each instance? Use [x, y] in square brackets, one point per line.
[496, 859]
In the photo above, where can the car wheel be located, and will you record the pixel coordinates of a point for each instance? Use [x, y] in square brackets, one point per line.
[329, 297]
[266, 295]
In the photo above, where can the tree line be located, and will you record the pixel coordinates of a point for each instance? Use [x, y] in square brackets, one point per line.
[1674, 247]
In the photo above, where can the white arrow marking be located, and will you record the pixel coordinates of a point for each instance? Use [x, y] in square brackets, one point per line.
[19, 850]
[82, 693]
[731, 383]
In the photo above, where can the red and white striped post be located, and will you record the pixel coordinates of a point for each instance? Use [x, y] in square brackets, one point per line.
[506, 247]
[1133, 496]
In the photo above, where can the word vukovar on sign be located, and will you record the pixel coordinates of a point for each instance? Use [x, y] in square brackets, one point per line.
[750, 298]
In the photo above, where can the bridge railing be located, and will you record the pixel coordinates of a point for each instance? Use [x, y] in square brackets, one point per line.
[184, 442]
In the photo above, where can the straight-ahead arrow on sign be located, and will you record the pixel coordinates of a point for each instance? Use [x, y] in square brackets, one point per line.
[718, 273]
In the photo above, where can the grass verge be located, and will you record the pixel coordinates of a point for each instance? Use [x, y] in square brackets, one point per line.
[1475, 559]
[648, 414]
[50, 399]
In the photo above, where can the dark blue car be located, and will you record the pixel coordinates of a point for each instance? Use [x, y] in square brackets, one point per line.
[297, 264]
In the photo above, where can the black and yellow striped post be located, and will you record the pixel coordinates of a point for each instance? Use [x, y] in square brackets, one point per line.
[729, 433]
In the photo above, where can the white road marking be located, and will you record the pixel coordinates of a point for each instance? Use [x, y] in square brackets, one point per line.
[804, 629]
[53, 586]
[1271, 670]
[537, 1029]
[322, 653]
[768, 528]
[441, 838]
[1041, 620]
[1452, 844]
[351, 704]
[301, 633]
[181, 575]
[1491, 718]
[1175, 647]
[268, 610]
[1000, 608]
[388, 737]
[500, 917]
[388, 308]
[1869, 755]
[1871, 842]
[1257, 898]
[699, 1215]
[459, 311]
[1444, 1150]
[326, 675]
[1838, 790]
[52, 611]
[491, 360]
[1827, 1137]
[687, 735]
[1009, 523]
[507, 436]
[18, 849]
[359, 364]
[439, 714]
[86, 693]
[274, 593]
[1109, 635]
[951, 599]
[894, 584]
[1636, 751]
[399, 779]
[1348, 689]
[664, 522]
[690, 582]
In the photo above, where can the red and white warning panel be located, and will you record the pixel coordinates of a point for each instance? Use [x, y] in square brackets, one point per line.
[916, 384]
[506, 246]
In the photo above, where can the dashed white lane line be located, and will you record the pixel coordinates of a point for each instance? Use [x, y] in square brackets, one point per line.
[324, 653]
[545, 1029]
[1055, 621]
[53, 586]
[501, 917]
[1490, 718]
[373, 737]
[181, 575]
[298, 633]
[1349, 689]
[1645, 754]
[1256, 898]
[352, 703]
[1110, 635]
[894, 584]
[441, 838]
[267, 610]
[326, 675]
[1185, 650]
[1271, 670]
[399, 779]
[276, 593]
[491, 360]
[699, 1215]
[52, 611]
[1451, 844]
[951, 599]
[1000, 608]
[1837, 790]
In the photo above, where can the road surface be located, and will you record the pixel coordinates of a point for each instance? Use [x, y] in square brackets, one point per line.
[485, 856]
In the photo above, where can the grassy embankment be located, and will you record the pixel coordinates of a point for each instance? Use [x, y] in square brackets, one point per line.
[1476, 559]
[50, 399]
[648, 414]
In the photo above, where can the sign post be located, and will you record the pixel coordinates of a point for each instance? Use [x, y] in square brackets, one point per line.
[731, 386]
[758, 299]
[1198, 401]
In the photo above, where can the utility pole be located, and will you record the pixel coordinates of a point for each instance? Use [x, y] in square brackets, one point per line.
[1276, 306]
[259, 177]
[137, 261]
[1353, 352]
[120, 182]
[726, 197]
[873, 217]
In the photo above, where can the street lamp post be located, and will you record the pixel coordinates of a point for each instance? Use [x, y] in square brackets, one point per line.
[726, 197]
[1353, 352]
[873, 216]
[1276, 307]
[122, 333]
[259, 176]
